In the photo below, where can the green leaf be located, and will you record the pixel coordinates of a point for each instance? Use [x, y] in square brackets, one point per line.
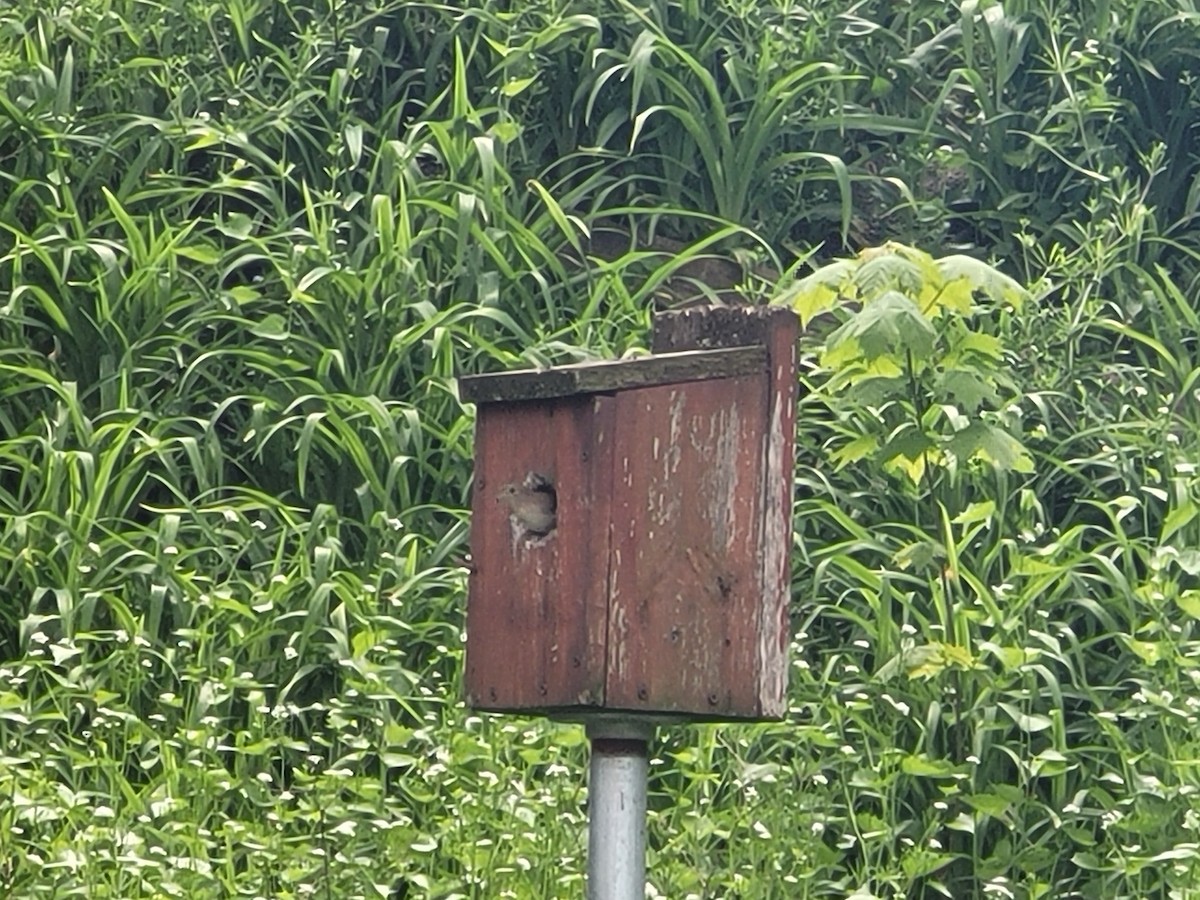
[206, 255]
[514, 86]
[911, 469]
[885, 272]
[980, 511]
[1030, 723]
[1010, 657]
[980, 440]
[273, 328]
[918, 555]
[1151, 652]
[907, 442]
[891, 324]
[1049, 763]
[1177, 518]
[1189, 561]
[857, 449]
[875, 391]
[1189, 602]
[984, 278]
[353, 137]
[984, 344]
[922, 766]
[988, 804]
[953, 295]
[568, 225]
[929, 660]
[818, 292]
[967, 389]
[840, 352]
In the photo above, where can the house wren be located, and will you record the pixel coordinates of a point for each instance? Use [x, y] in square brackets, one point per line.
[533, 505]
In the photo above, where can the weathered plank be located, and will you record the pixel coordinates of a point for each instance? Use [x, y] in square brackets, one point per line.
[612, 375]
[663, 590]
[777, 330]
[537, 608]
[686, 576]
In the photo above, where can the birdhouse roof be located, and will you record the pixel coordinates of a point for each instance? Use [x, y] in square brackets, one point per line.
[610, 376]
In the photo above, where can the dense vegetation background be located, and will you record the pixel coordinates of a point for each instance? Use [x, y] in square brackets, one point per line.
[245, 246]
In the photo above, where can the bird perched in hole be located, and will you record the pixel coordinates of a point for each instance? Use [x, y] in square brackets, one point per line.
[533, 505]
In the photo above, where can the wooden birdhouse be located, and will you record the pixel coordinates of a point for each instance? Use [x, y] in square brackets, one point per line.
[649, 575]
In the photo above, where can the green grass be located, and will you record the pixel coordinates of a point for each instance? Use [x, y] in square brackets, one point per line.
[246, 247]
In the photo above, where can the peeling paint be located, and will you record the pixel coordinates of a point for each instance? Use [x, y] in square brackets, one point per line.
[724, 439]
[674, 432]
[618, 646]
[776, 539]
[690, 618]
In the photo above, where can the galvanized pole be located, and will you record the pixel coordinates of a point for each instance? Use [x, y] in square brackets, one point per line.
[617, 809]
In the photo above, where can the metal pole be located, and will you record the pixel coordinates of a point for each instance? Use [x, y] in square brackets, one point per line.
[617, 809]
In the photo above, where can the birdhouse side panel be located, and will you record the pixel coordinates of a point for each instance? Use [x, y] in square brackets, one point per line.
[781, 336]
[686, 590]
[777, 330]
[537, 605]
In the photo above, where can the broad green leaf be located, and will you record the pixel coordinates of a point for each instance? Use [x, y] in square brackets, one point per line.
[954, 295]
[1152, 652]
[984, 278]
[1189, 602]
[977, 342]
[814, 301]
[1024, 564]
[989, 804]
[873, 391]
[205, 255]
[929, 660]
[911, 469]
[890, 324]
[857, 449]
[962, 657]
[922, 766]
[887, 272]
[839, 352]
[819, 291]
[1177, 518]
[515, 86]
[883, 367]
[964, 821]
[273, 327]
[918, 555]
[907, 442]
[967, 389]
[980, 511]
[980, 440]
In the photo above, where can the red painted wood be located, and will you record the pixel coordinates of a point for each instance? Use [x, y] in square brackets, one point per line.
[537, 608]
[665, 587]
[686, 577]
